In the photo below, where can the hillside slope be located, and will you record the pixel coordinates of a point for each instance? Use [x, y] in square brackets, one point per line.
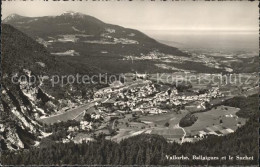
[24, 96]
[82, 38]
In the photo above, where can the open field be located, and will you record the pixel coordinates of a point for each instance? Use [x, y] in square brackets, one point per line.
[152, 124]
[171, 117]
[126, 133]
[217, 119]
[169, 133]
[69, 115]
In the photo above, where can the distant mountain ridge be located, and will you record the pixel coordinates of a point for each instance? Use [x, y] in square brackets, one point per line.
[80, 38]
[102, 45]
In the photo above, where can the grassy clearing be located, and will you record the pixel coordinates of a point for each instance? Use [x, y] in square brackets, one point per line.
[168, 132]
[171, 117]
[217, 119]
[69, 115]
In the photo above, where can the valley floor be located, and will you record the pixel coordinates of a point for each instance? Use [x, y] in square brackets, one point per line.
[143, 107]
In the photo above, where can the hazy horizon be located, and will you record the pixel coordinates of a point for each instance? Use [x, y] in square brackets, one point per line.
[166, 16]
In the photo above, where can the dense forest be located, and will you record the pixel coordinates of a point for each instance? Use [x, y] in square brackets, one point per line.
[149, 149]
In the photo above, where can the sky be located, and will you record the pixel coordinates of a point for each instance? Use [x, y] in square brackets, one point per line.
[146, 15]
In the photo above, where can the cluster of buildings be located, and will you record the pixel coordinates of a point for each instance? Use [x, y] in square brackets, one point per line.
[125, 41]
[156, 55]
[86, 124]
[148, 99]
[204, 133]
[112, 40]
